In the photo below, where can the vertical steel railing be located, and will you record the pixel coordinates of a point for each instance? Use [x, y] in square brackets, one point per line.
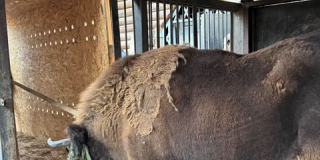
[183, 24]
[125, 25]
[116, 30]
[178, 23]
[156, 23]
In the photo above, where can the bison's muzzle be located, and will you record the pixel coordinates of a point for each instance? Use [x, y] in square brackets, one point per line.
[76, 144]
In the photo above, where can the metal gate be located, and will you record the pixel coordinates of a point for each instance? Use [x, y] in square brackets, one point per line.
[141, 25]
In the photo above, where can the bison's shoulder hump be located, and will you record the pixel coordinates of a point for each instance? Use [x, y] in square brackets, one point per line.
[131, 88]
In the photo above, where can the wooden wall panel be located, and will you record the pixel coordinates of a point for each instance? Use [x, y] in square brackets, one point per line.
[57, 49]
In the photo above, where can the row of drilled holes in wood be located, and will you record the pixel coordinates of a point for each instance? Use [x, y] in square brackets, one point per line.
[73, 40]
[56, 30]
[53, 112]
[43, 109]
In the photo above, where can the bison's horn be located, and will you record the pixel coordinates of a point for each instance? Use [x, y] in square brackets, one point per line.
[60, 143]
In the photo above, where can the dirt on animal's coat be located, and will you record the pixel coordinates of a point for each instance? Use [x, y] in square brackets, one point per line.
[33, 149]
[131, 90]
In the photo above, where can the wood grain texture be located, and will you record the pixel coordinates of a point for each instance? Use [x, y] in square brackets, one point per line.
[56, 48]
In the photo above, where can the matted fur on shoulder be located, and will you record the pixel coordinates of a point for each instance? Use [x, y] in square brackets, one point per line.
[131, 88]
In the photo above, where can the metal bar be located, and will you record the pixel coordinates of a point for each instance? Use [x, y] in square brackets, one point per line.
[115, 28]
[221, 30]
[171, 25]
[268, 2]
[205, 28]
[208, 28]
[8, 138]
[199, 29]
[125, 25]
[150, 26]
[214, 4]
[47, 99]
[195, 22]
[165, 22]
[183, 24]
[209, 40]
[178, 23]
[214, 29]
[189, 23]
[133, 46]
[226, 28]
[199, 26]
[158, 24]
[218, 29]
[251, 31]
[107, 32]
[140, 26]
[231, 32]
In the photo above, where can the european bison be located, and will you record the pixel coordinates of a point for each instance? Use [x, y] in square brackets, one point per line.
[180, 103]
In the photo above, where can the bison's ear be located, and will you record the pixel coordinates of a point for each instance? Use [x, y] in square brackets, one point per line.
[78, 135]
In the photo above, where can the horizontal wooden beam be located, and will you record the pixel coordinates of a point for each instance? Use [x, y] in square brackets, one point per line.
[268, 2]
[213, 4]
[220, 5]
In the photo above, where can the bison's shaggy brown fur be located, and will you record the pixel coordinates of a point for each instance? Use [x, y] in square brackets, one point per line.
[183, 103]
[132, 89]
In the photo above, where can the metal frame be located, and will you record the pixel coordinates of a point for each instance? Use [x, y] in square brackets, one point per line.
[115, 27]
[195, 22]
[143, 42]
[140, 26]
[240, 34]
[214, 4]
[267, 2]
[8, 139]
[247, 18]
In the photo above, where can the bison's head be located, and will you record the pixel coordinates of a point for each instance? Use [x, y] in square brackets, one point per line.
[80, 145]
[77, 143]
